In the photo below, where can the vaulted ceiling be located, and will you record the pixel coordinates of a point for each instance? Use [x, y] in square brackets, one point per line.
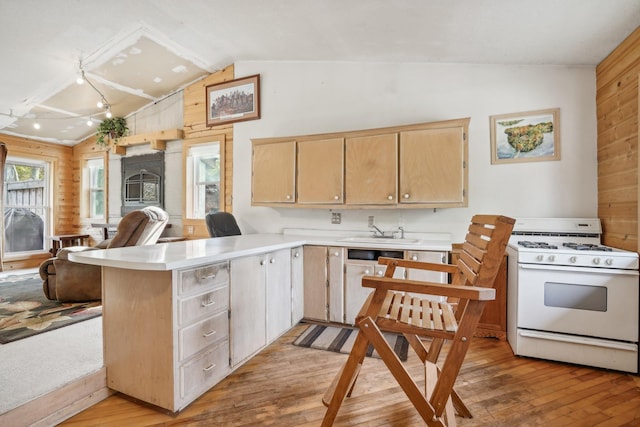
[135, 53]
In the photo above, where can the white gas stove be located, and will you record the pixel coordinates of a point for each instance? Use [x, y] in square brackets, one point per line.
[570, 298]
[567, 241]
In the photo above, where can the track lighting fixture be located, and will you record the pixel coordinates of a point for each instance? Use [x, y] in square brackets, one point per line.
[102, 103]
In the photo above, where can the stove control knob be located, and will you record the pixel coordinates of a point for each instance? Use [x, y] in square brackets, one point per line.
[608, 261]
[540, 257]
[551, 258]
[596, 261]
[573, 260]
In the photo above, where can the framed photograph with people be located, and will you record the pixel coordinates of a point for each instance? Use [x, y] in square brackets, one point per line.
[233, 101]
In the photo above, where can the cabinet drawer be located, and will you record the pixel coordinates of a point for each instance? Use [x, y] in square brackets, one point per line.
[202, 305]
[202, 277]
[196, 337]
[204, 370]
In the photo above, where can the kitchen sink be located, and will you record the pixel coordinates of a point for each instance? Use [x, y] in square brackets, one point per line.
[381, 240]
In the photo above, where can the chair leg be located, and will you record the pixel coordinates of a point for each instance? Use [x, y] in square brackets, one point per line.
[424, 408]
[432, 356]
[328, 395]
[345, 379]
[431, 374]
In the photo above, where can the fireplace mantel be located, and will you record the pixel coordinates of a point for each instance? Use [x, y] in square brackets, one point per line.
[158, 140]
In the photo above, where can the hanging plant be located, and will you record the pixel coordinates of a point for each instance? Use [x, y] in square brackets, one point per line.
[111, 130]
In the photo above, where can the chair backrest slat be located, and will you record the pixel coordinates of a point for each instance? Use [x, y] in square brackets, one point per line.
[483, 249]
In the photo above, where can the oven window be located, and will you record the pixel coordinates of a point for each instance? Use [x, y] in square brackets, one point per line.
[580, 297]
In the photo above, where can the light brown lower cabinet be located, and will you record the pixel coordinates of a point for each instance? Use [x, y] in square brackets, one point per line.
[493, 323]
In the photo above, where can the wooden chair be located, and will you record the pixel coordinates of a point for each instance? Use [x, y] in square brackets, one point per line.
[394, 307]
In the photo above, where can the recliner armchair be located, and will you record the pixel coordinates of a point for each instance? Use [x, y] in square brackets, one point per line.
[68, 281]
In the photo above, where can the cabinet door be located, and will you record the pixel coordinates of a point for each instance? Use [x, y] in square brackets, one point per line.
[432, 166]
[427, 276]
[297, 285]
[248, 308]
[371, 169]
[273, 173]
[336, 258]
[320, 171]
[278, 299]
[355, 293]
[316, 281]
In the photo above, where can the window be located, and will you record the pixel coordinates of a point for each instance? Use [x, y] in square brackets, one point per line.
[204, 177]
[95, 185]
[204, 190]
[26, 205]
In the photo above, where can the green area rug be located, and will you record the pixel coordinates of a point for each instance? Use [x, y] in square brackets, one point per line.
[341, 339]
[25, 311]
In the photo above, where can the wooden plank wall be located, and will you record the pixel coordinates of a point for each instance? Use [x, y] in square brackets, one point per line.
[65, 196]
[195, 115]
[617, 114]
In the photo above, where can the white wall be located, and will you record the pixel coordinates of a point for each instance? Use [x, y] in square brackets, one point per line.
[318, 97]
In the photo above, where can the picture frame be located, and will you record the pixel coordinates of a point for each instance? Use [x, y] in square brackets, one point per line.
[233, 101]
[530, 136]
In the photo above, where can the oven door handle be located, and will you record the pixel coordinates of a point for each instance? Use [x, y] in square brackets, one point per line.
[568, 268]
[578, 340]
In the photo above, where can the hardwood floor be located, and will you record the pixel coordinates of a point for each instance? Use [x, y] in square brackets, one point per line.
[284, 384]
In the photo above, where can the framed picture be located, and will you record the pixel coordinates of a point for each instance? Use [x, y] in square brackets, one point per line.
[233, 101]
[531, 136]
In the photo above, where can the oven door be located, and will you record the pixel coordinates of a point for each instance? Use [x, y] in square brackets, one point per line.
[595, 302]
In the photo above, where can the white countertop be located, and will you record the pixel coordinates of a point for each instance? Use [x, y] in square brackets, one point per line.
[191, 253]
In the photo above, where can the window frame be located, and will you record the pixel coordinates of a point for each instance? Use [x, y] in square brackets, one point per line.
[47, 198]
[191, 224]
[88, 188]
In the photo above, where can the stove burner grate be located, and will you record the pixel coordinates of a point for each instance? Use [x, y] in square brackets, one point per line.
[586, 247]
[536, 245]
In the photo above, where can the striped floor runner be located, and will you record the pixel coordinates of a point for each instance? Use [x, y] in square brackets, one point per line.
[340, 340]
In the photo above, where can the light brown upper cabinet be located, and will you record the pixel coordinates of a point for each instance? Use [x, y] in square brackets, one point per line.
[321, 171]
[273, 172]
[432, 166]
[371, 169]
[412, 166]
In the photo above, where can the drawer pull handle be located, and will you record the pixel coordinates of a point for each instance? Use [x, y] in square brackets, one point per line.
[208, 334]
[210, 367]
[208, 303]
[208, 276]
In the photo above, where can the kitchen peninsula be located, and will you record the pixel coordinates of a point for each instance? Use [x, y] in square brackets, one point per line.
[179, 317]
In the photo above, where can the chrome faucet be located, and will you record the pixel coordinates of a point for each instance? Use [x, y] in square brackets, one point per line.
[377, 232]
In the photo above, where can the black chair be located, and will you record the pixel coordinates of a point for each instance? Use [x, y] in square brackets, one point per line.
[222, 224]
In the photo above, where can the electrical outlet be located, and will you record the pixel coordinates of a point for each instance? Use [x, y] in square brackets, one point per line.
[336, 218]
[370, 220]
[189, 230]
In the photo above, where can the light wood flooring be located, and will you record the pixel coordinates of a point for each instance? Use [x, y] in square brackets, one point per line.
[284, 384]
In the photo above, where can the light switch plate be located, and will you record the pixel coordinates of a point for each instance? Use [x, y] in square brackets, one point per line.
[336, 218]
